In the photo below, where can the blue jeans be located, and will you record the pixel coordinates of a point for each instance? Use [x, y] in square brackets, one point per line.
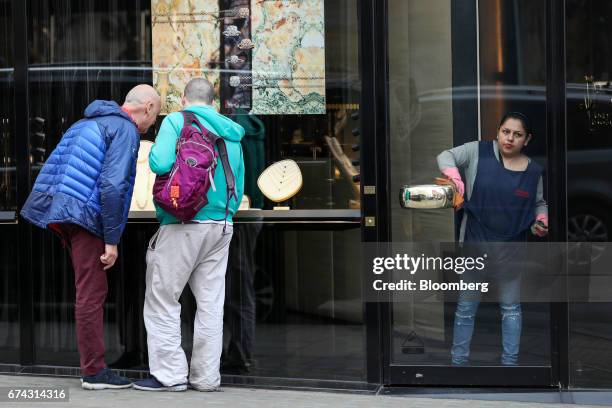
[511, 315]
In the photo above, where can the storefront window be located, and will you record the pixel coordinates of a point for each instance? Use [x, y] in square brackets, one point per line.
[293, 293]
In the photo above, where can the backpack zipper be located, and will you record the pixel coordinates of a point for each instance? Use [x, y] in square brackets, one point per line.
[199, 144]
[171, 177]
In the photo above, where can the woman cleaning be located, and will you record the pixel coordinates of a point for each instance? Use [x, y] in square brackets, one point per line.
[504, 201]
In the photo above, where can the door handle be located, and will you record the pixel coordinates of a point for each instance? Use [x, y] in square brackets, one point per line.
[426, 197]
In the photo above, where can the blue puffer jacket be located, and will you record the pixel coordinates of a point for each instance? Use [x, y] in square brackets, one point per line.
[89, 178]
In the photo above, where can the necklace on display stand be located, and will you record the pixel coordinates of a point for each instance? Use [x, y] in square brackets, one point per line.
[143, 192]
[280, 181]
[143, 204]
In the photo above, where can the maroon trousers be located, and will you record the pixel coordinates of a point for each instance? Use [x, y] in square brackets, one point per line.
[91, 289]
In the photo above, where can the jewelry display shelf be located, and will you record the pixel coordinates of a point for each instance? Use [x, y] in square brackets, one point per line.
[343, 218]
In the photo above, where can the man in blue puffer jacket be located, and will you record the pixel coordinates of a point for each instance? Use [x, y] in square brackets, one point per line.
[83, 193]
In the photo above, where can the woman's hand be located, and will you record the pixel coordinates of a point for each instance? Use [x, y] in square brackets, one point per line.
[457, 197]
[452, 173]
[455, 186]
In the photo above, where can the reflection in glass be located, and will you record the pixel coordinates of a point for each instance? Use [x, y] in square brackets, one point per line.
[9, 318]
[589, 198]
[7, 140]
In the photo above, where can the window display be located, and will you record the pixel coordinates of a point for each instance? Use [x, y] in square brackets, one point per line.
[287, 48]
[280, 181]
[286, 71]
[289, 57]
[186, 41]
[142, 198]
[236, 52]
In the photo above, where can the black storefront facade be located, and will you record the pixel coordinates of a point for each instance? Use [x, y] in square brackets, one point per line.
[404, 81]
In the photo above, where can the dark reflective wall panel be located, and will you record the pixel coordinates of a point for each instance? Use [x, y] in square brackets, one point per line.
[9, 323]
[9, 299]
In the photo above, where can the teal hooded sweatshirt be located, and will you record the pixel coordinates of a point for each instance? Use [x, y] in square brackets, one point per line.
[163, 155]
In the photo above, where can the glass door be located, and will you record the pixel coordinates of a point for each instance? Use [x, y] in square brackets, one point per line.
[454, 70]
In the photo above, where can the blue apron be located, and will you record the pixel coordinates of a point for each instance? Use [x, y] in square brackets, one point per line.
[502, 205]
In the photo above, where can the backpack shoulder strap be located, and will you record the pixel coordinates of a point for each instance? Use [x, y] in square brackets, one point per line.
[229, 175]
[188, 118]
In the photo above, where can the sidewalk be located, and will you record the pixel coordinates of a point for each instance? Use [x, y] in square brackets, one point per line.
[239, 397]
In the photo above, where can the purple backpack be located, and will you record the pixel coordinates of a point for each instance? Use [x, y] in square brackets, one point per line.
[182, 191]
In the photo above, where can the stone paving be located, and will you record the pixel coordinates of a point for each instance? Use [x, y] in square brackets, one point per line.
[241, 397]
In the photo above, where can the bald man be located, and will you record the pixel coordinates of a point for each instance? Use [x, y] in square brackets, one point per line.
[83, 193]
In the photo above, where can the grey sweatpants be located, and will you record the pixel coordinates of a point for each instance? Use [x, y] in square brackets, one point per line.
[179, 254]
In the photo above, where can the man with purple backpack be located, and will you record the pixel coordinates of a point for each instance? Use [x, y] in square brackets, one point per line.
[196, 193]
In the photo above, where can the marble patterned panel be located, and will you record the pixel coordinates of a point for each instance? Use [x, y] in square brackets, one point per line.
[289, 56]
[186, 39]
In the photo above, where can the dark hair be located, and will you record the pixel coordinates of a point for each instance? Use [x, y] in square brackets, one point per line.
[518, 116]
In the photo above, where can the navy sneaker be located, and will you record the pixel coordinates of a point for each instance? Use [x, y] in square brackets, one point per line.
[151, 384]
[106, 378]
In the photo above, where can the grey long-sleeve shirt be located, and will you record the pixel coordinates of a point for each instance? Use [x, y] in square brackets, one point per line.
[465, 157]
